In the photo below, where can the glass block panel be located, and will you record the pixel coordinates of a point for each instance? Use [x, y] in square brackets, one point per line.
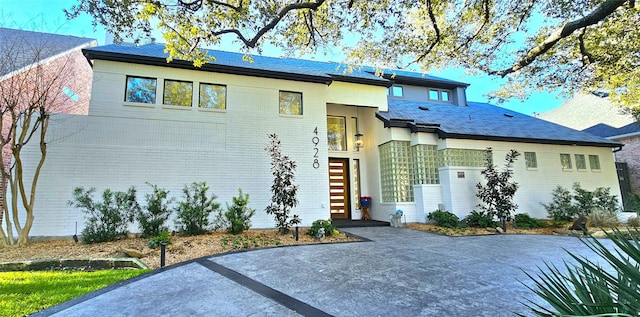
[396, 171]
[594, 162]
[462, 157]
[581, 162]
[425, 164]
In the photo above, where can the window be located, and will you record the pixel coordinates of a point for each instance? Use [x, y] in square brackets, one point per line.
[290, 102]
[140, 89]
[213, 96]
[565, 161]
[396, 171]
[395, 91]
[594, 162]
[356, 182]
[178, 93]
[337, 133]
[530, 160]
[581, 162]
[439, 94]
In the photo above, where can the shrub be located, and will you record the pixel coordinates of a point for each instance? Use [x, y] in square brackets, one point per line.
[329, 229]
[632, 202]
[524, 221]
[162, 237]
[603, 219]
[634, 222]
[194, 210]
[561, 207]
[444, 219]
[237, 217]
[284, 192]
[107, 220]
[152, 218]
[479, 219]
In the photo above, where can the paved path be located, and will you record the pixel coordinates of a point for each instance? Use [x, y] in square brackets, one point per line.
[400, 272]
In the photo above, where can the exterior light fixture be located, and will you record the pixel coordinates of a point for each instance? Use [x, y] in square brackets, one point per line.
[359, 141]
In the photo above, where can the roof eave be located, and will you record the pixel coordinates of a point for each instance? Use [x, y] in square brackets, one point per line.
[444, 135]
[234, 70]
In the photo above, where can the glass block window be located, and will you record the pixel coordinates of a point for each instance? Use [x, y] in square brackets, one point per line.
[565, 161]
[337, 133]
[594, 162]
[396, 171]
[140, 89]
[462, 157]
[530, 160]
[290, 102]
[425, 164]
[213, 96]
[581, 162]
[178, 93]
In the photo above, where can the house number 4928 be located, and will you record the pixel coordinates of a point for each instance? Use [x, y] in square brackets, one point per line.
[315, 140]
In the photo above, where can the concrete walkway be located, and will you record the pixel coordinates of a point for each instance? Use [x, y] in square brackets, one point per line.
[400, 272]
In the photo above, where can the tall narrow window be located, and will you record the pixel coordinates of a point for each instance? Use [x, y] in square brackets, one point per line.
[178, 93]
[290, 102]
[581, 162]
[530, 160]
[213, 96]
[565, 161]
[140, 89]
[336, 133]
[594, 162]
[356, 182]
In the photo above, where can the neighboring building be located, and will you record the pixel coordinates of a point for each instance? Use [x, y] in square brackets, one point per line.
[595, 114]
[422, 143]
[26, 52]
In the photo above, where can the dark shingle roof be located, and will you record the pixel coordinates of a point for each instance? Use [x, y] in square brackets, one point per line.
[270, 67]
[606, 131]
[483, 121]
[28, 47]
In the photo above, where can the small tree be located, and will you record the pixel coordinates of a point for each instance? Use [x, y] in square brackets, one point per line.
[284, 191]
[194, 210]
[237, 218]
[497, 194]
[561, 207]
[154, 215]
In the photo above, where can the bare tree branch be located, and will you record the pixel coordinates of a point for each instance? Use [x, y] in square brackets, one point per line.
[599, 13]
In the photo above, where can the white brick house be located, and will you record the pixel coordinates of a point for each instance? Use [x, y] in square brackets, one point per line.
[171, 124]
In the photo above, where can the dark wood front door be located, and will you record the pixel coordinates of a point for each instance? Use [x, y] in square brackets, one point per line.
[339, 188]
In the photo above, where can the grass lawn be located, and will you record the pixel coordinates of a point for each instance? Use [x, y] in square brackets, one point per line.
[23, 293]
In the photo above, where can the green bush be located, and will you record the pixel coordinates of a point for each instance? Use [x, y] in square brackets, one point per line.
[634, 222]
[194, 210]
[561, 207]
[107, 220]
[329, 229]
[237, 217]
[524, 221]
[161, 237]
[479, 219]
[444, 219]
[152, 218]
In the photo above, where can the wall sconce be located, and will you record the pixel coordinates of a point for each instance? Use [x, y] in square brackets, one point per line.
[359, 141]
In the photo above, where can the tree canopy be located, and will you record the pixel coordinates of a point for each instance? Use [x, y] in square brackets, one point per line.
[536, 45]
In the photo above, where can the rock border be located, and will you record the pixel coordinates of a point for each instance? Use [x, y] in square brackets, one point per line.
[74, 265]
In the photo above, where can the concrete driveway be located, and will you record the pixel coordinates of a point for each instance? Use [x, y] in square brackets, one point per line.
[399, 272]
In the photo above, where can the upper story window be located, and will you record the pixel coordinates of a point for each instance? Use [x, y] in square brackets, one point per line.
[213, 96]
[565, 161]
[594, 162]
[178, 93]
[140, 89]
[530, 160]
[396, 91]
[581, 162]
[337, 133]
[290, 102]
[439, 94]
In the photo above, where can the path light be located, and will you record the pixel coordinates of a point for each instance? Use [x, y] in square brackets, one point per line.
[163, 246]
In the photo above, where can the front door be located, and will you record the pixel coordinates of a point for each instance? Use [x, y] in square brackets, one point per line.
[339, 188]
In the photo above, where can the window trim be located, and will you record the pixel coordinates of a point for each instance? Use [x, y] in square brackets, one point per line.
[301, 103]
[155, 93]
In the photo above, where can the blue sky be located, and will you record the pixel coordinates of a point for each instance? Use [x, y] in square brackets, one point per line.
[47, 16]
